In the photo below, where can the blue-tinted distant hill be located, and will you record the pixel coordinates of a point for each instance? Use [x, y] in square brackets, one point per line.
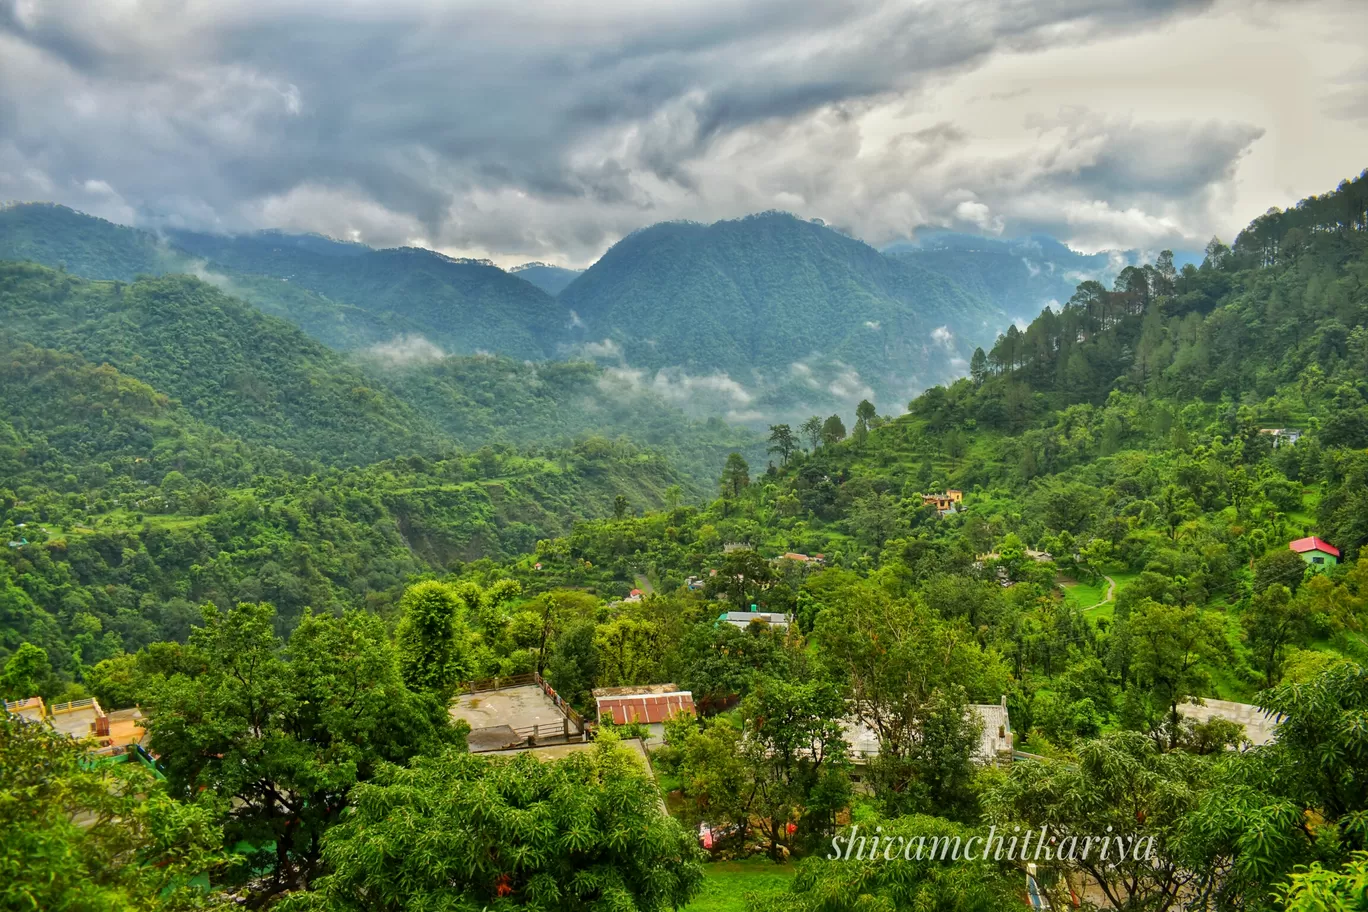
[462, 306]
[550, 279]
[1020, 276]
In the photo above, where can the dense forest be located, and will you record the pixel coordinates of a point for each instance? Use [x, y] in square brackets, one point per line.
[292, 595]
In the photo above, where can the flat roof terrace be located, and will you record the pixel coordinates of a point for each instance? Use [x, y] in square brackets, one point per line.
[519, 708]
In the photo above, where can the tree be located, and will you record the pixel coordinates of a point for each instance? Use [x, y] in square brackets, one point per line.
[573, 669]
[284, 734]
[865, 414]
[876, 869]
[619, 507]
[794, 741]
[429, 653]
[1120, 786]
[629, 650]
[735, 477]
[1274, 620]
[743, 578]
[673, 495]
[782, 442]
[718, 784]
[978, 366]
[721, 662]
[1172, 646]
[903, 666]
[86, 837]
[833, 430]
[1281, 567]
[812, 430]
[875, 519]
[1320, 890]
[464, 832]
[25, 673]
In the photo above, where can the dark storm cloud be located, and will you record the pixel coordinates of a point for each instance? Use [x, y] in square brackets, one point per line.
[537, 129]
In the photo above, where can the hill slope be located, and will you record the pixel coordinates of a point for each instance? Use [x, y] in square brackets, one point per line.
[246, 373]
[462, 306]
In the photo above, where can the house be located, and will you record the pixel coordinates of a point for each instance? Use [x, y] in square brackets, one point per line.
[115, 732]
[800, 558]
[1260, 727]
[651, 705]
[944, 503]
[1316, 552]
[30, 710]
[743, 619]
[995, 739]
[1282, 435]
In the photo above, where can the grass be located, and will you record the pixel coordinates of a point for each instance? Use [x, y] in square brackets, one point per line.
[1079, 594]
[726, 883]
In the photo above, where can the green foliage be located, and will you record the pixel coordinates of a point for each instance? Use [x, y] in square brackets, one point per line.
[105, 838]
[897, 880]
[464, 833]
[285, 733]
[1321, 890]
[429, 638]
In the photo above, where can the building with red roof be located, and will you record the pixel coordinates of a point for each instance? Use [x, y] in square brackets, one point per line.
[650, 705]
[1316, 552]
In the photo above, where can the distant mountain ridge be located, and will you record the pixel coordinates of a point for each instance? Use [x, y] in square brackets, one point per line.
[550, 279]
[753, 319]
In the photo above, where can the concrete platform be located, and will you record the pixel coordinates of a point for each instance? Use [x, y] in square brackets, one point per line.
[1259, 728]
[518, 708]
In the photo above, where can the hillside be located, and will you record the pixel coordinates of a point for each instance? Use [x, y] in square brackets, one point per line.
[81, 244]
[776, 303]
[122, 503]
[462, 306]
[245, 373]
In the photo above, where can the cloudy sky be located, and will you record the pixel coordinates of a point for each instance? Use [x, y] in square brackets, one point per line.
[548, 130]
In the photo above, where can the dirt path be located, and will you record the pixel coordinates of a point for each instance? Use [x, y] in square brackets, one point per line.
[644, 584]
[1111, 593]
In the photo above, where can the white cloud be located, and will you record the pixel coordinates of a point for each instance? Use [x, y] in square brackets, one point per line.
[605, 349]
[1131, 125]
[405, 351]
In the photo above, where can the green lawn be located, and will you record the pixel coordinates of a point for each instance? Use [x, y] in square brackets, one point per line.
[726, 883]
[1083, 594]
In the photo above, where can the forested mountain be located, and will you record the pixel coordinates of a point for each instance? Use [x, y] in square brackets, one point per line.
[248, 374]
[778, 305]
[82, 244]
[462, 306]
[126, 511]
[550, 279]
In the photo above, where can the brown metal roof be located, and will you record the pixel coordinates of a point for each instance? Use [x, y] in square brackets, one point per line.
[645, 708]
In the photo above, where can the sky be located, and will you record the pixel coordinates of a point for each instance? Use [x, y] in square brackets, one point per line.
[549, 130]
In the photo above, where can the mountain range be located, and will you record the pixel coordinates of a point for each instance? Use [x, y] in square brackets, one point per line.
[757, 319]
